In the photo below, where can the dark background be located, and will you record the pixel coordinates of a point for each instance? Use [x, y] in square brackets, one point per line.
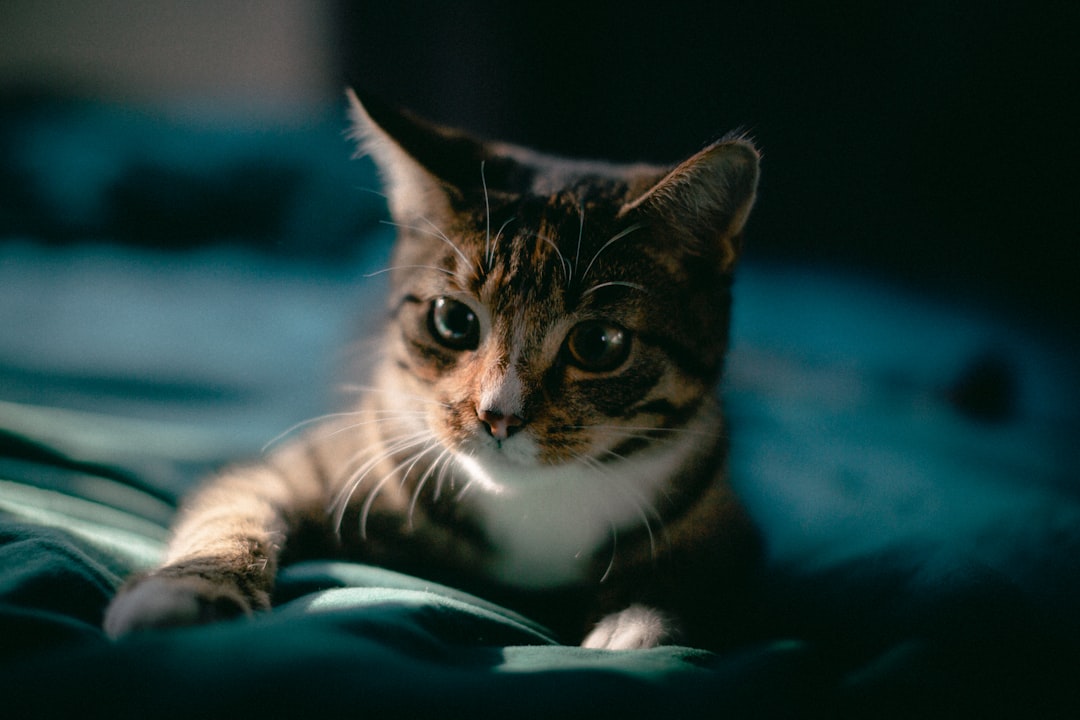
[929, 143]
[933, 143]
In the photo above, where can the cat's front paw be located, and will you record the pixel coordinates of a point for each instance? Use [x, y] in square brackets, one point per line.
[635, 628]
[159, 601]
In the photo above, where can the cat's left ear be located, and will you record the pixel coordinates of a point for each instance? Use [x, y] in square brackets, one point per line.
[423, 165]
[709, 195]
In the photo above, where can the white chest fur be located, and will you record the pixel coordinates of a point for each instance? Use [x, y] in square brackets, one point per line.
[548, 522]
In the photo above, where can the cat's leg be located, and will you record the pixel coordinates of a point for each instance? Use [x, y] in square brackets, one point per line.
[636, 627]
[222, 557]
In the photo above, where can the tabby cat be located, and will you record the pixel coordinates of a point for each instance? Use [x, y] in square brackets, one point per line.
[542, 425]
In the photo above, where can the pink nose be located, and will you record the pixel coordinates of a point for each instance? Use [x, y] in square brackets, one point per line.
[499, 425]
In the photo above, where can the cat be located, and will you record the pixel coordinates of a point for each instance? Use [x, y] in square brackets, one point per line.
[542, 426]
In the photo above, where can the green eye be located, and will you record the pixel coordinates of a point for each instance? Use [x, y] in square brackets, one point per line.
[454, 324]
[597, 346]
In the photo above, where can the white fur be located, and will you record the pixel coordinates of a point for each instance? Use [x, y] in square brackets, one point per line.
[635, 628]
[547, 522]
[153, 602]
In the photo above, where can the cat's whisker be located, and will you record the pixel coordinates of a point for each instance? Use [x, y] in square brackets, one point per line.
[435, 232]
[620, 283]
[389, 445]
[563, 262]
[340, 504]
[305, 423]
[486, 267]
[366, 463]
[614, 550]
[623, 458]
[405, 475]
[451, 273]
[580, 233]
[441, 478]
[373, 191]
[466, 487]
[642, 507]
[495, 241]
[383, 415]
[442, 457]
[386, 416]
[618, 236]
[369, 501]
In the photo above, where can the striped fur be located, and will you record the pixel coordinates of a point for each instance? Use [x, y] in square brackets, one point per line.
[542, 425]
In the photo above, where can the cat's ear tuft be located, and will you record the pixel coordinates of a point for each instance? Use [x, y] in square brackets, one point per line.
[398, 143]
[710, 195]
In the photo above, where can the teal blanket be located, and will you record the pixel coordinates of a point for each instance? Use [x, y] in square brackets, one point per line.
[343, 638]
[346, 638]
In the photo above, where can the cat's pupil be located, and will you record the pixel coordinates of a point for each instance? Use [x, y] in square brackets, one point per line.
[454, 324]
[597, 346]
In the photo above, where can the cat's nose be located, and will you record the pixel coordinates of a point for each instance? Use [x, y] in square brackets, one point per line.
[500, 425]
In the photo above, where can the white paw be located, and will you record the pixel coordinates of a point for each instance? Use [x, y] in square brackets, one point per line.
[637, 627]
[160, 602]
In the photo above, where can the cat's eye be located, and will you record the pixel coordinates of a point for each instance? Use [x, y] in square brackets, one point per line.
[597, 346]
[454, 324]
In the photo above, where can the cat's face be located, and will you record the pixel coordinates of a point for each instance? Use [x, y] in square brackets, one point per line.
[575, 314]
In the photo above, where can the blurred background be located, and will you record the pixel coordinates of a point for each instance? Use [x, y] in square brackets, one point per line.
[932, 142]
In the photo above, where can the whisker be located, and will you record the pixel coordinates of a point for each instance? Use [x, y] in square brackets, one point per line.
[369, 501]
[465, 488]
[420, 483]
[434, 232]
[495, 242]
[487, 223]
[451, 273]
[580, 233]
[405, 475]
[441, 478]
[621, 283]
[373, 191]
[642, 507]
[566, 267]
[304, 423]
[341, 501]
[385, 416]
[614, 548]
[618, 236]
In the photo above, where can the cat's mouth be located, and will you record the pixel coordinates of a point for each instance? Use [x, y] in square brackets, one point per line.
[519, 449]
[509, 447]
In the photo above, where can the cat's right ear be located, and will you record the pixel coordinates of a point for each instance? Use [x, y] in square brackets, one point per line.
[416, 159]
[708, 195]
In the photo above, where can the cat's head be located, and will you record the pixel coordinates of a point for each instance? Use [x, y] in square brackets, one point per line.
[556, 311]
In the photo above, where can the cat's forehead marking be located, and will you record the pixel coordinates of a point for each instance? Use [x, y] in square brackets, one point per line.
[555, 235]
